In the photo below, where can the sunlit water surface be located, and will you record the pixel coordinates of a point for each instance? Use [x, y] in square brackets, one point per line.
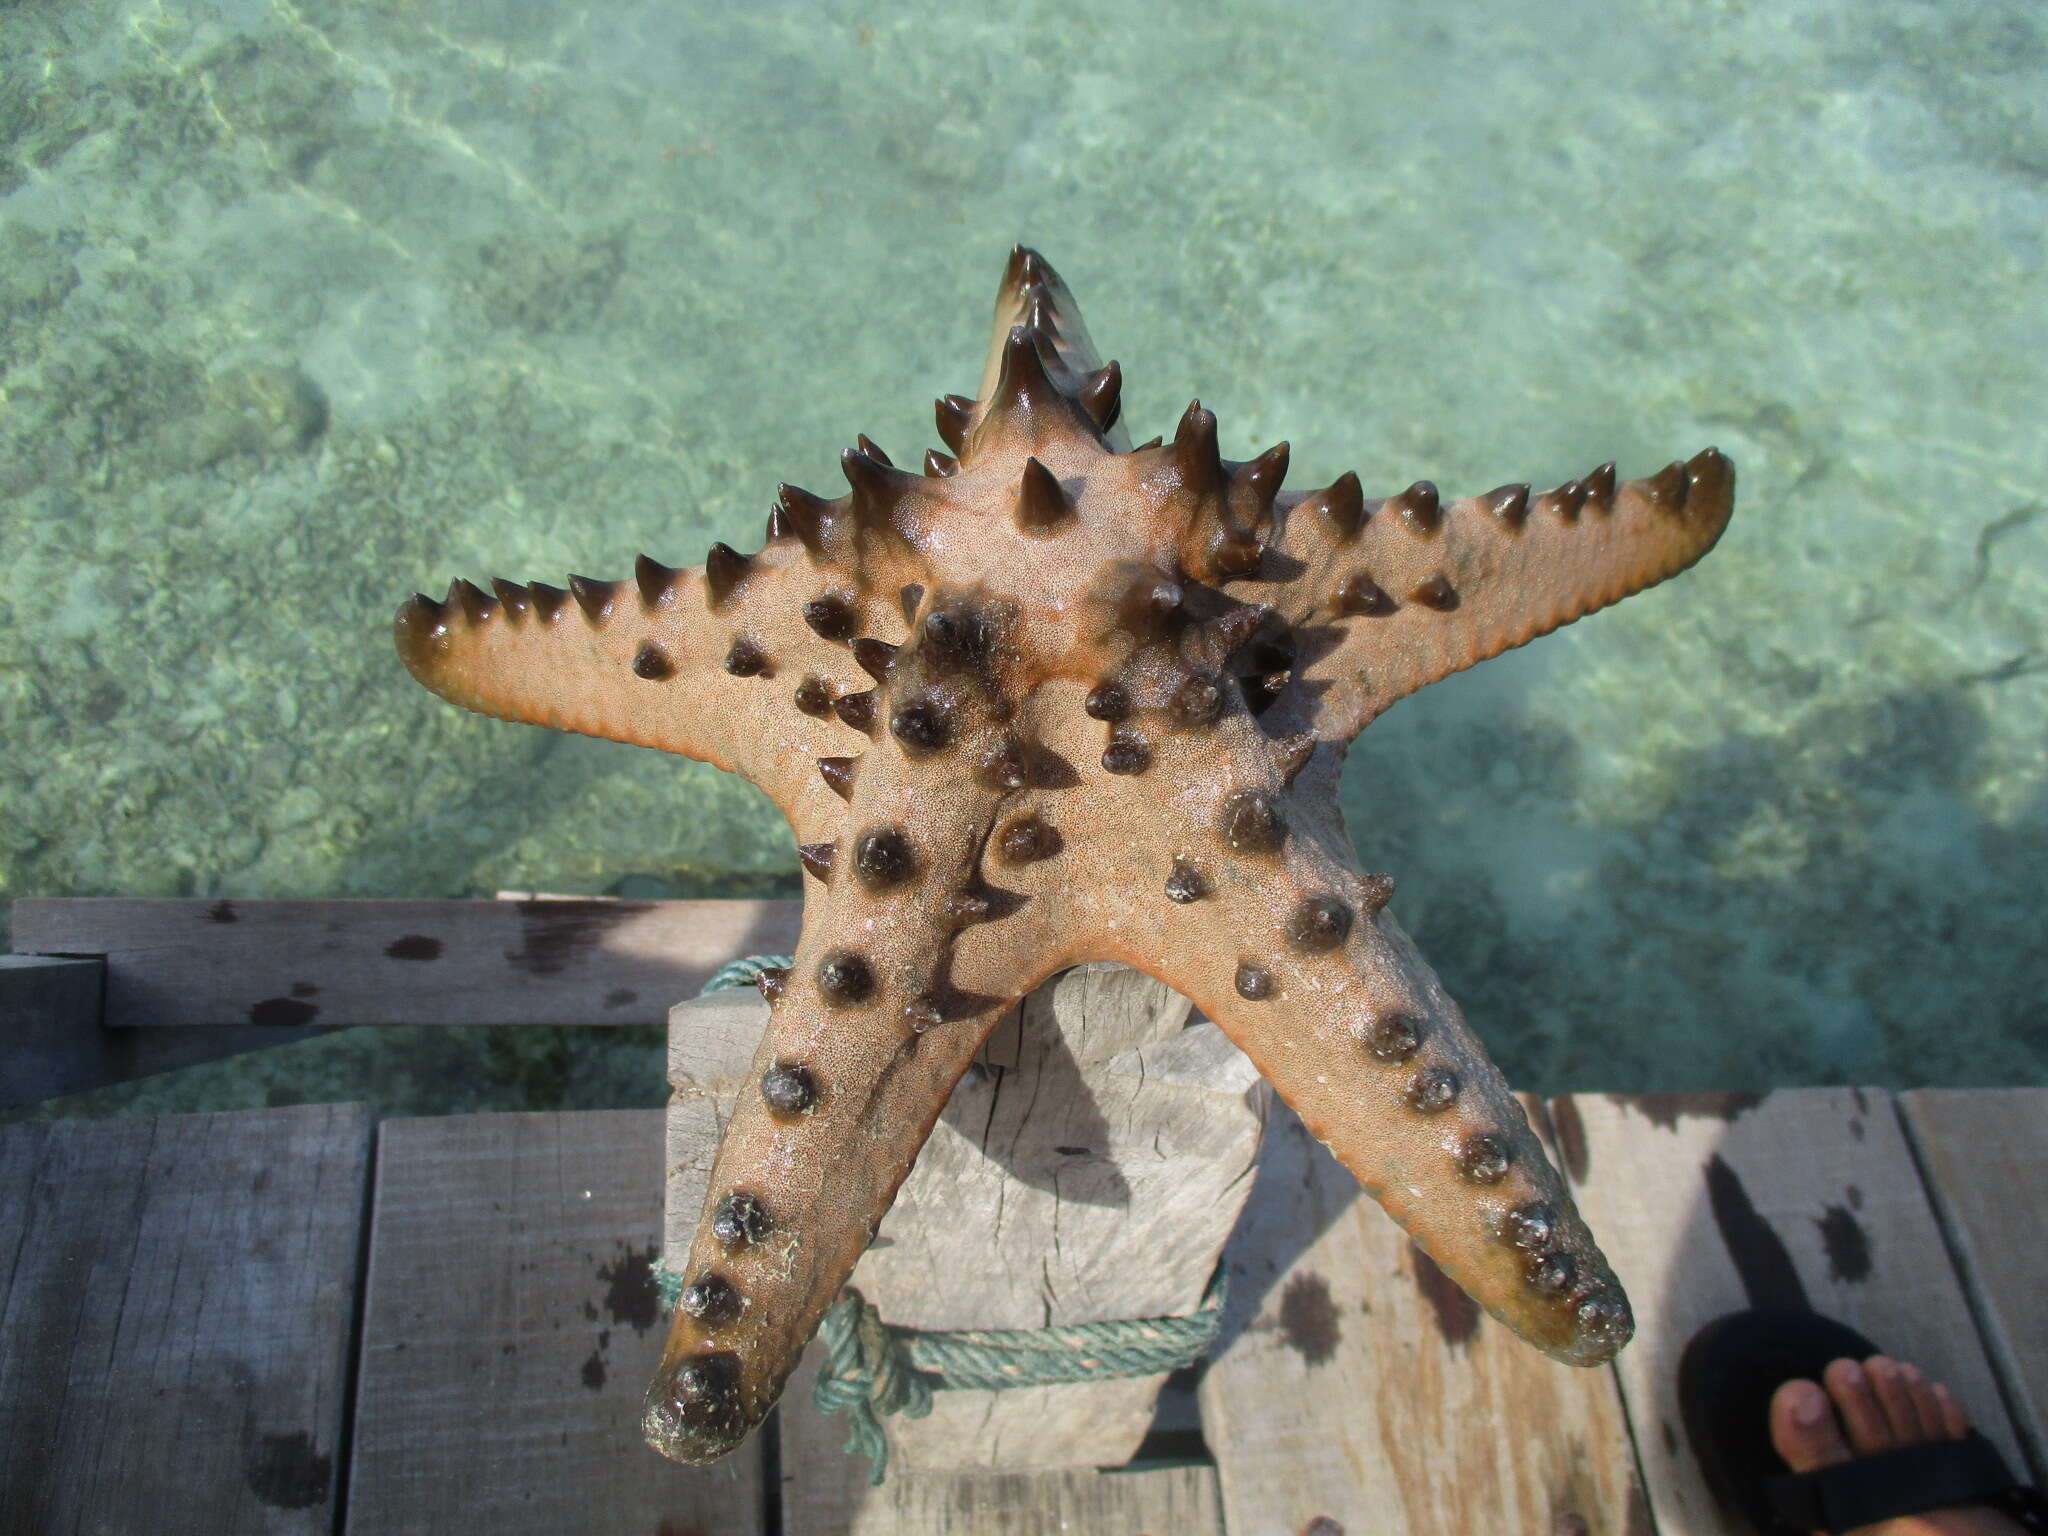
[303, 307]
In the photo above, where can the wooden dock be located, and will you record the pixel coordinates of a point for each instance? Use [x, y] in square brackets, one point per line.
[301, 1320]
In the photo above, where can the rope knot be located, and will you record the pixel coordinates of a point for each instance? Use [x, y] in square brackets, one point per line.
[867, 1374]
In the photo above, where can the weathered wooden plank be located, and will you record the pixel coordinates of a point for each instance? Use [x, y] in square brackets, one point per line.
[1980, 1148]
[175, 1327]
[1089, 1169]
[401, 962]
[1709, 1203]
[825, 1491]
[510, 1328]
[1358, 1390]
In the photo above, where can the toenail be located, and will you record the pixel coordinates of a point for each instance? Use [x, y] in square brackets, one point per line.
[1910, 1374]
[1852, 1373]
[1883, 1369]
[1809, 1407]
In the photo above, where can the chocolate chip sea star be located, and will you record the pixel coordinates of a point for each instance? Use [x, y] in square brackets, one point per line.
[1057, 699]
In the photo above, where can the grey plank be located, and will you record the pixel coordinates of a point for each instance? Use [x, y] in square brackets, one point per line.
[510, 1329]
[1982, 1151]
[174, 1333]
[298, 963]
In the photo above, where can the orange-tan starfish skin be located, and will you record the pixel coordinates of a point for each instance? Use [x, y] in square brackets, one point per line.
[1057, 699]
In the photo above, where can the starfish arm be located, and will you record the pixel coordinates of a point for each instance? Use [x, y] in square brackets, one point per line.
[1391, 595]
[746, 662]
[1035, 310]
[897, 980]
[1244, 896]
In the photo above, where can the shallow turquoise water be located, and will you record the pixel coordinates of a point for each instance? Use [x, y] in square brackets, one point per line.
[305, 306]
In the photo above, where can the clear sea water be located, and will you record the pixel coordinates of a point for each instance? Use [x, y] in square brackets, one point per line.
[306, 305]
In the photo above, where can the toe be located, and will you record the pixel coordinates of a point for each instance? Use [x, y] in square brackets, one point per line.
[1895, 1398]
[1804, 1429]
[1926, 1406]
[1862, 1419]
[1954, 1422]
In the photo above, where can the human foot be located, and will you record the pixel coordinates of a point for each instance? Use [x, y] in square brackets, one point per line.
[1873, 1448]
[1880, 1405]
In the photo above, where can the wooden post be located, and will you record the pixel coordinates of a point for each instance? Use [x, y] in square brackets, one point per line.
[1095, 1115]
[50, 1036]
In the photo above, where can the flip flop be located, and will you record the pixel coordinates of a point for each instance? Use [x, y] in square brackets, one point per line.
[1725, 1383]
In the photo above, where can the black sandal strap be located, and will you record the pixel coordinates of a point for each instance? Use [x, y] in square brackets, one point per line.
[1894, 1483]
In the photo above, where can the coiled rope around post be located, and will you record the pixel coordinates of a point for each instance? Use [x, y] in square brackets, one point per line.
[873, 1369]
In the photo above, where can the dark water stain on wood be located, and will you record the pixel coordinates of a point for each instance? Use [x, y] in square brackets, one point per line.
[621, 997]
[593, 1371]
[1322, 1525]
[223, 912]
[1769, 1278]
[1571, 1138]
[1456, 1314]
[1847, 1244]
[286, 1011]
[1665, 1110]
[414, 946]
[1308, 1318]
[284, 1472]
[552, 934]
[630, 1296]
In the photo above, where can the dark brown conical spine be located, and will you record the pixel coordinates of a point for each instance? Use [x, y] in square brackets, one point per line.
[1102, 395]
[803, 515]
[1025, 397]
[1041, 505]
[1257, 483]
[657, 582]
[1195, 455]
[954, 415]
[879, 491]
[724, 569]
[1341, 504]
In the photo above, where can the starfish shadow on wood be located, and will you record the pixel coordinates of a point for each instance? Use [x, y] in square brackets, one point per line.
[1058, 699]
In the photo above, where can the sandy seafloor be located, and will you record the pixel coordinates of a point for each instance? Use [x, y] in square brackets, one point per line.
[305, 306]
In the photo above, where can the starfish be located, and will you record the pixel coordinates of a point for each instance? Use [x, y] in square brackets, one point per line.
[1054, 699]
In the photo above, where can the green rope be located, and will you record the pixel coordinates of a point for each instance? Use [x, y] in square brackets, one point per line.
[873, 1368]
[745, 973]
